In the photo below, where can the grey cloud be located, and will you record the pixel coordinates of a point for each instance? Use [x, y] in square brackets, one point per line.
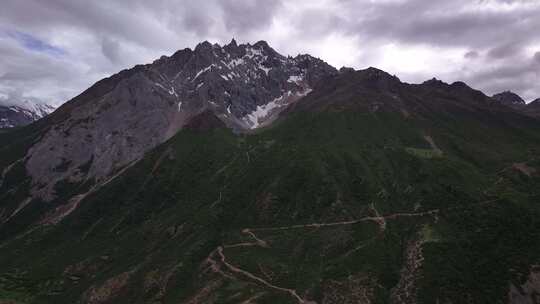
[49, 78]
[15, 97]
[316, 23]
[505, 72]
[198, 23]
[248, 15]
[98, 17]
[503, 51]
[19, 64]
[471, 55]
[102, 37]
[518, 76]
[436, 23]
[499, 33]
[536, 57]
[111, 49]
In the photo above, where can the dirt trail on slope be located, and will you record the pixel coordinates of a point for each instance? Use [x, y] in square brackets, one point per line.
[404, 288]
[236, 270]
[258, 241]
[381, 220]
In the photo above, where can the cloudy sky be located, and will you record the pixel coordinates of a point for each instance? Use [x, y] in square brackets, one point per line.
[52, 50]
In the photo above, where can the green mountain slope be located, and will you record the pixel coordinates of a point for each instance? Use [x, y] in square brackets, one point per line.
[366, 191]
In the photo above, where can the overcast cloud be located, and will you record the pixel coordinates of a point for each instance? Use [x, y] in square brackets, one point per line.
[54, 49]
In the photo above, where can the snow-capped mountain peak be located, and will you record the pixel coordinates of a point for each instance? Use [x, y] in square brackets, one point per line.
[14, 114]
[237, 81]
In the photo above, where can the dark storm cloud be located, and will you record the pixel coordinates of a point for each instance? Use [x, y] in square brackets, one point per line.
[68, 44]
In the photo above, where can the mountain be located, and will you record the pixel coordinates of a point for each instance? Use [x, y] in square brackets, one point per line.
[515, 102]
[509, 98]
[353, 188]
[533, 108]
[21, 114]
[535, 103]
[128, 114]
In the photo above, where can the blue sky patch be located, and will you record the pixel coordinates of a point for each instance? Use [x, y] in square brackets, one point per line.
[32, 43]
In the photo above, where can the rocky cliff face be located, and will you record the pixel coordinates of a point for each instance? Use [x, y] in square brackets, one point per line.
[244, 85]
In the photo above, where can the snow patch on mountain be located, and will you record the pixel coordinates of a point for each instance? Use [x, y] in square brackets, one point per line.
[265, 69]
[262, 112]
[294, 78]
[206, 69]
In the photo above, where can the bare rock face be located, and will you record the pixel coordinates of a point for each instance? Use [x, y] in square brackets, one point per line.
[102, 136]
[528, 292]
[245, 86]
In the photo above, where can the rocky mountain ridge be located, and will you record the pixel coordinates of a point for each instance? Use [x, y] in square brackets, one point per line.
[364, 190]
[245, 85]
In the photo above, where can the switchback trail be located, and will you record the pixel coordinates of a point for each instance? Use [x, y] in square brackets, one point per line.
[381, 220]
[236, 270]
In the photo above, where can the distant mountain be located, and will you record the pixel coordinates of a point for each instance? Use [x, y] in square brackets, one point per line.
[509, 98]
[533, 108]
[21, 114]
[233, 174]
[535, 103]
[514, 101]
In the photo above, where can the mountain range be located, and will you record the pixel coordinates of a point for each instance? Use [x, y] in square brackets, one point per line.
[22, 113]
[233, 174]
